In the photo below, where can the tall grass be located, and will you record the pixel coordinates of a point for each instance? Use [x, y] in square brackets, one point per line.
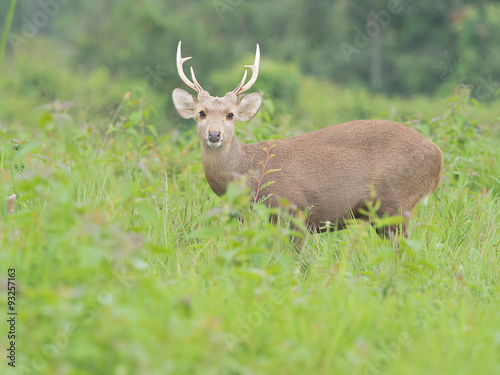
[127, 263]
[5, 33]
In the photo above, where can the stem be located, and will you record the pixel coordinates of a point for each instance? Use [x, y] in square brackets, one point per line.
[8, 23]
[263, 171]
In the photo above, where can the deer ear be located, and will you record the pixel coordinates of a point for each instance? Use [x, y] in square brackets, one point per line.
[184, 103]
[248, 106]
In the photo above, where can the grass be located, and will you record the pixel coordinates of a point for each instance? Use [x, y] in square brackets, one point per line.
[126, 262]
[5, 33]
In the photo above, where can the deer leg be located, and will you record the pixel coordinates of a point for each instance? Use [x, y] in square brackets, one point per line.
[392, 231]
[298, 242]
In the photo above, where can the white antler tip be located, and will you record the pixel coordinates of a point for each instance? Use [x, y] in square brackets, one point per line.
[242, 87]
[180, 61]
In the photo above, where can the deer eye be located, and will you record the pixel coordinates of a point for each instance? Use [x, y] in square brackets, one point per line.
[230, 116]
[202, 114]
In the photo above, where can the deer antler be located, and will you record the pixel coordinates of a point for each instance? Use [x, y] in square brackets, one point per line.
[240, 89]
[180, 61]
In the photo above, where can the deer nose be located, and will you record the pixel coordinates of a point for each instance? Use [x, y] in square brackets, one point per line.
[214, 136]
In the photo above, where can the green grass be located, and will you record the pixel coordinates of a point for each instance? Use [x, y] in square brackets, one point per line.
[126, 262]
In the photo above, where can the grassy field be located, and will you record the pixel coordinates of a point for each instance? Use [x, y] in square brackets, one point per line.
[126, 263]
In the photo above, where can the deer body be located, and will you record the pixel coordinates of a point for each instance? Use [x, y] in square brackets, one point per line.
[330, 172]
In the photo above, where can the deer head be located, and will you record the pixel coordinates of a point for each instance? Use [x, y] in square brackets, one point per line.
[215, 116]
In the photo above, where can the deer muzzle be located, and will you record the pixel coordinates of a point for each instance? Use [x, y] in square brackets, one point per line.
[214, 139]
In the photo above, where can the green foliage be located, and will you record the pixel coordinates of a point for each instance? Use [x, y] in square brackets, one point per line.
[407, 47]
[116, 232]
[461, 136]
[246, 237]
[5, 33]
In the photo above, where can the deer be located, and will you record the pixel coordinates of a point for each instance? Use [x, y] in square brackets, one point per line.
[331, 173]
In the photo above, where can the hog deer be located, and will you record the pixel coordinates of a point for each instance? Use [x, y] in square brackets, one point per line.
[331, 172]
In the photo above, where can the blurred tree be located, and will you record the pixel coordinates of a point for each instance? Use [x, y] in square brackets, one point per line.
[397, 46]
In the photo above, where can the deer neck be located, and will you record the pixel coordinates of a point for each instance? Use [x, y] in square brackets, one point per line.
[223, 164]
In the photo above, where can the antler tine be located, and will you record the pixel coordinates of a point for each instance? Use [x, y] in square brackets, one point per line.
[193, 77]
[180, 61]
[240, 89]
[241, 83]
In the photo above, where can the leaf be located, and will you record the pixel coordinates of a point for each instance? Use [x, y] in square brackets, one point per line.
[135, 118]
[363, 212]
[431, 228]
[235, 190]
[414, 245]
[133, 132]
[262, 200]
[157, 249]
[269, 106]
[255, 274]
[387, 221]
[299, 224]
[251, 250]
[409, 251]
[272, 171]
[220, 261]
[267, 184]
[380, 258]
[427, 264]
[126, 190]
[18, 155]
[413, 266]
[148, 213]
[45, 119]
[153, 131]
[476, 103]
[293, 233]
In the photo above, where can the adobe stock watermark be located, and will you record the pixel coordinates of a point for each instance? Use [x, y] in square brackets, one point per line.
[150, 82]
[483, 88]
[377, 22]
[486, 88]
[249, 323]
[389, 352]
[224, 6]
[39, 360]
[32, 25]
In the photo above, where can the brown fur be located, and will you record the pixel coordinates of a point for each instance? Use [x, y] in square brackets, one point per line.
[330, 172]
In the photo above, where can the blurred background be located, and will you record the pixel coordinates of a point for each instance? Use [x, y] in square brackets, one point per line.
[322, 60]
